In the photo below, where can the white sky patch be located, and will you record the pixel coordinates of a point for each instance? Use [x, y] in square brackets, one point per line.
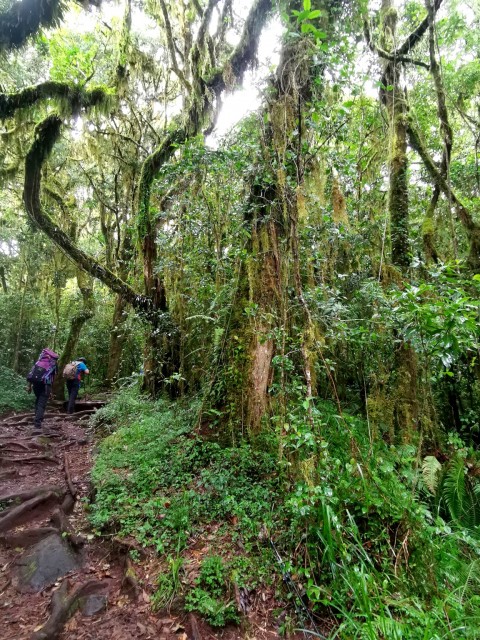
[244, 101]
[10, 249]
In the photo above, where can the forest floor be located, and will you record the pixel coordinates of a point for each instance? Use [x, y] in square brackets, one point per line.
[57, 580]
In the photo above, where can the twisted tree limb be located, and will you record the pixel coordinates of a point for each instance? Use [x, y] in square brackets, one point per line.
[46, 135]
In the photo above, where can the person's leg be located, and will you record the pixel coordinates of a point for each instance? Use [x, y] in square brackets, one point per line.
[42, 393]
[73, 387]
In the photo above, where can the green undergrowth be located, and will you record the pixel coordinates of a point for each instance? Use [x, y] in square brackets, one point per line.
[373, 551]
[13, 395]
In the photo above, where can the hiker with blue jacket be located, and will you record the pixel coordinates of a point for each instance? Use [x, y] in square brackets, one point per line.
[73, 374]
[40, 379]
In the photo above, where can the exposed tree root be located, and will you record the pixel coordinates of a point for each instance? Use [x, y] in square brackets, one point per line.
[25, 416]
[64, 606]
[27, 538]
[8, 475]
[29, 460]
[194, 627]
[68, 475]
[13, 447]
[130, 581]
[22, 496]
[26, 510]
[125, 546]
[68, 503]
[61, 523]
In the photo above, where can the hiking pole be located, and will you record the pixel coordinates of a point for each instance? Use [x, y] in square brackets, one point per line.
[302, 611]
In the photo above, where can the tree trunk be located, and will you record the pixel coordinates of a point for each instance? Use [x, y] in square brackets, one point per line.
[117, 341]
[394, 98]
[85, 284]
[19, 326]
[3, 279]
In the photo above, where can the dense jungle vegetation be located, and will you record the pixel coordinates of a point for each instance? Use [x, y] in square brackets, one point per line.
[287, 315]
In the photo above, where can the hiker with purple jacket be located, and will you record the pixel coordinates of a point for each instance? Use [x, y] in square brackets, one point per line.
[73, 374]
[40, 379]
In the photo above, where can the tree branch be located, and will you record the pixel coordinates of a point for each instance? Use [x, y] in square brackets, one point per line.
[201, 105]
[25, 18]
[171, 48]
[390, 56]
[46, 135]
[75, 97]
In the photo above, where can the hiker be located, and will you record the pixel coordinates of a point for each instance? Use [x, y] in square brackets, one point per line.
[40, 379]
[73, 373]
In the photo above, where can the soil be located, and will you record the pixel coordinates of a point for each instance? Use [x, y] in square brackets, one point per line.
[44, 490]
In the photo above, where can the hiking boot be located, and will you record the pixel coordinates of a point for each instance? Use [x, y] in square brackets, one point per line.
[37, 431]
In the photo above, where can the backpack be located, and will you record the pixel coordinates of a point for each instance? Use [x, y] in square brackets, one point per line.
[70, 371]
[45, 368]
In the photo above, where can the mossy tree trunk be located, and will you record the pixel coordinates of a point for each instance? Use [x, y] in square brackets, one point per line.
[394, 98]
[85, 285]
[277, 315]
[117, 341]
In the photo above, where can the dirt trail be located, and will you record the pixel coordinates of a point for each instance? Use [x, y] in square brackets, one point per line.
[56, 580]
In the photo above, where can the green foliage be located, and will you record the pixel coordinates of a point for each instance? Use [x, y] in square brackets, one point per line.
[209, 596]
[13, 395]
[157, 480]
[349, 515]
[168, 585]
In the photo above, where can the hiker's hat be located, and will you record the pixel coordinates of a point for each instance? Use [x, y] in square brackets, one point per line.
[81, 359]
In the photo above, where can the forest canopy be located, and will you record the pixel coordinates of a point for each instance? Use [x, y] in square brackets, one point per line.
[309, 280]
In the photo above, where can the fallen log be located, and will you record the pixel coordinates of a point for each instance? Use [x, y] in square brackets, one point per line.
[18, 514]
[64, 606]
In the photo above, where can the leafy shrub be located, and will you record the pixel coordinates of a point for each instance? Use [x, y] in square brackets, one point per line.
[13, 396]
[361, 535]
[209, 597]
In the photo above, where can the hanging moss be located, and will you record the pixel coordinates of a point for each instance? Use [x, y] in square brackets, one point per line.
[68, 98]
[27, 17]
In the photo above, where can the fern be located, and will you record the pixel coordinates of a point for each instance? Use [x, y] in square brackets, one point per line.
[430, 473]
[460, 495]
[454, 490]
[470, 577]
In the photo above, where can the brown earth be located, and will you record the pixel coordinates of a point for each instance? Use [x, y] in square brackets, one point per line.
[44, 484]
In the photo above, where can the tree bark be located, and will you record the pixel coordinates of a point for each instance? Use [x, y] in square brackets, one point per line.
[85, 285]
[3, 279]
[117, 340]
[394, 98]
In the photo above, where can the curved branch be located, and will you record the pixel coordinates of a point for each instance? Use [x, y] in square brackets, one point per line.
[46, 135]
[195, 119]
[75, 97]
[416, 35]
[390, 56]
